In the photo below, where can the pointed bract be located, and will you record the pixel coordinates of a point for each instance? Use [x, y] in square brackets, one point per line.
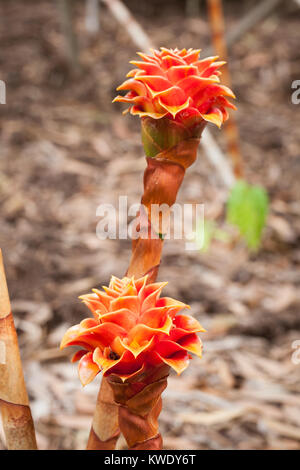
[171, 80]
[133, 328]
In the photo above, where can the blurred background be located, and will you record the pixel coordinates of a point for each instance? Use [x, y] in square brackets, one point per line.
[65, 149]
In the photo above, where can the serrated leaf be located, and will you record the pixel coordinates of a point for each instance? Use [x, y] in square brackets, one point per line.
[247, 208]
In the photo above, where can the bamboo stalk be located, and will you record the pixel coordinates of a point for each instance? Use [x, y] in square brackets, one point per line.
[217, 23]
[14, 404]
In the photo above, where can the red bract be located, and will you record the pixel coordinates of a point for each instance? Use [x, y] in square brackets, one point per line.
[176, 84]
[133, 330]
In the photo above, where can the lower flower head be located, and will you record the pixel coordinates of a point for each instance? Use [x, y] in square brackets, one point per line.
[133, 329]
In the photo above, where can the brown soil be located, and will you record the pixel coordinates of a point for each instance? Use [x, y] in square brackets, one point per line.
[65, 148]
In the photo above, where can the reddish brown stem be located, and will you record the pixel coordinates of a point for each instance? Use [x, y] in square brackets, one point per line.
[14, 405]
[162, 179]
[140, 404]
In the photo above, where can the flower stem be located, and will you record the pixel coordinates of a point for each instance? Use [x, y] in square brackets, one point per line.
[162, 179]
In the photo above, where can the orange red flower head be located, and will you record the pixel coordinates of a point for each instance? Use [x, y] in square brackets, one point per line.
[176, 84]
[133, 329]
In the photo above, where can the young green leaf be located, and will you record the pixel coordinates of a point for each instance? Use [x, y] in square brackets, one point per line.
[207, 232]
[247, 208]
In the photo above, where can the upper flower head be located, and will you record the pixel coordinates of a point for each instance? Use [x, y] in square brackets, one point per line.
[176, 84]
[132, 329]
